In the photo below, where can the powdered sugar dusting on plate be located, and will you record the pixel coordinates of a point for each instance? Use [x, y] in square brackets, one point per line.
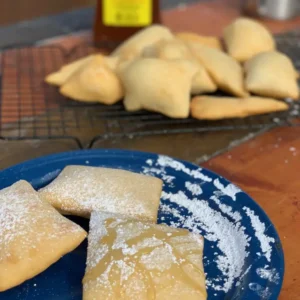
[222, 228]
[166, 161]
[227, 210]
[218, 229]
[195, 189]
[268, 274]
[260, 229]
[263, 293]
[230, 190]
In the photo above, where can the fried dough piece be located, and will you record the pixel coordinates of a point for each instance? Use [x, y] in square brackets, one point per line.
[133, 47]
[60, 77]
[129, 259]
[218, 108]
[162, 86]
[176, 49]
[33, 235]
[79, 190]
[271, 74]
[225, 71]
[194, 38]
[94, 82]
[168, 49]
[245, 38]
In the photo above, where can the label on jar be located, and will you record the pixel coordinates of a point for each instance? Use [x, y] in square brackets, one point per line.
[127, 13]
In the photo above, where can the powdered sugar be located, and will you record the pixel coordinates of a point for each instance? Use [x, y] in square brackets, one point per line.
[218, 229]
[230, 190]
[227, 210]
[263, 293]
[195, 189]
[221, 227]
[165, 161]
[269, 274]
[260, 229]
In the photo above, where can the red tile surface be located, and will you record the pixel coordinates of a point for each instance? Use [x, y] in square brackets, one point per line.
[267, 169]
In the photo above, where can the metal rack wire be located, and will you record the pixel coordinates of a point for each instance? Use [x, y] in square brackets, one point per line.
[31, 109]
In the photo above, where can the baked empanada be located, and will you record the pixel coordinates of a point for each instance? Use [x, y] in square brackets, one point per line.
[271, 74]
[245, 38]
[217, 108]
[191, 37]
[158, 85]
[128, 259]
[133, 47]
[94, 82]
[33, 235]
[78, 190]
[225, 71]
[60, 77]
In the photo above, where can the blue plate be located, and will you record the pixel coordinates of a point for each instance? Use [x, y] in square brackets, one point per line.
[243, 255]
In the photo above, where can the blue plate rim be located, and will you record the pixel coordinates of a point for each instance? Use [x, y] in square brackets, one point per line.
[29, 164]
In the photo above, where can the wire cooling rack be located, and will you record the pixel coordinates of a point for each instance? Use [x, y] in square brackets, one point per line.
[32, 109]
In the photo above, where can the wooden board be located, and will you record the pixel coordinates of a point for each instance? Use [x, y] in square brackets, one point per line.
[268, 168]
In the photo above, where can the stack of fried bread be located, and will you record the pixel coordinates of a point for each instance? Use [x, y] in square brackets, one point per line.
[129, 256]
[159, 71]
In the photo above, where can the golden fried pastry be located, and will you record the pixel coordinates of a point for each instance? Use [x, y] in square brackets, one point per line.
[94, 82]
[271, 74]
[176, 49]
[60, 77]
[225, 71]
[158, 85]
[194, 38]
[168, 49]
[245, 38]
[79, 190]
[202, 82]
[217, 108]
[133, 47]
[128, 259]
[33, 235]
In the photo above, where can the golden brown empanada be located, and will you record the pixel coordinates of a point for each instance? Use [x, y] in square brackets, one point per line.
[225, 71]
[194, 38]
[78, 190]
[94, 82]
[217, 108]
[245, 38]
[158, 85]
[60, 77]
[128, 259]
[33, 235]
[271, 74]
[133, 47]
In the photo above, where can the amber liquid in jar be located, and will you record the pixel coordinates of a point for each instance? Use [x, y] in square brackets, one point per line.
[117, 20]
